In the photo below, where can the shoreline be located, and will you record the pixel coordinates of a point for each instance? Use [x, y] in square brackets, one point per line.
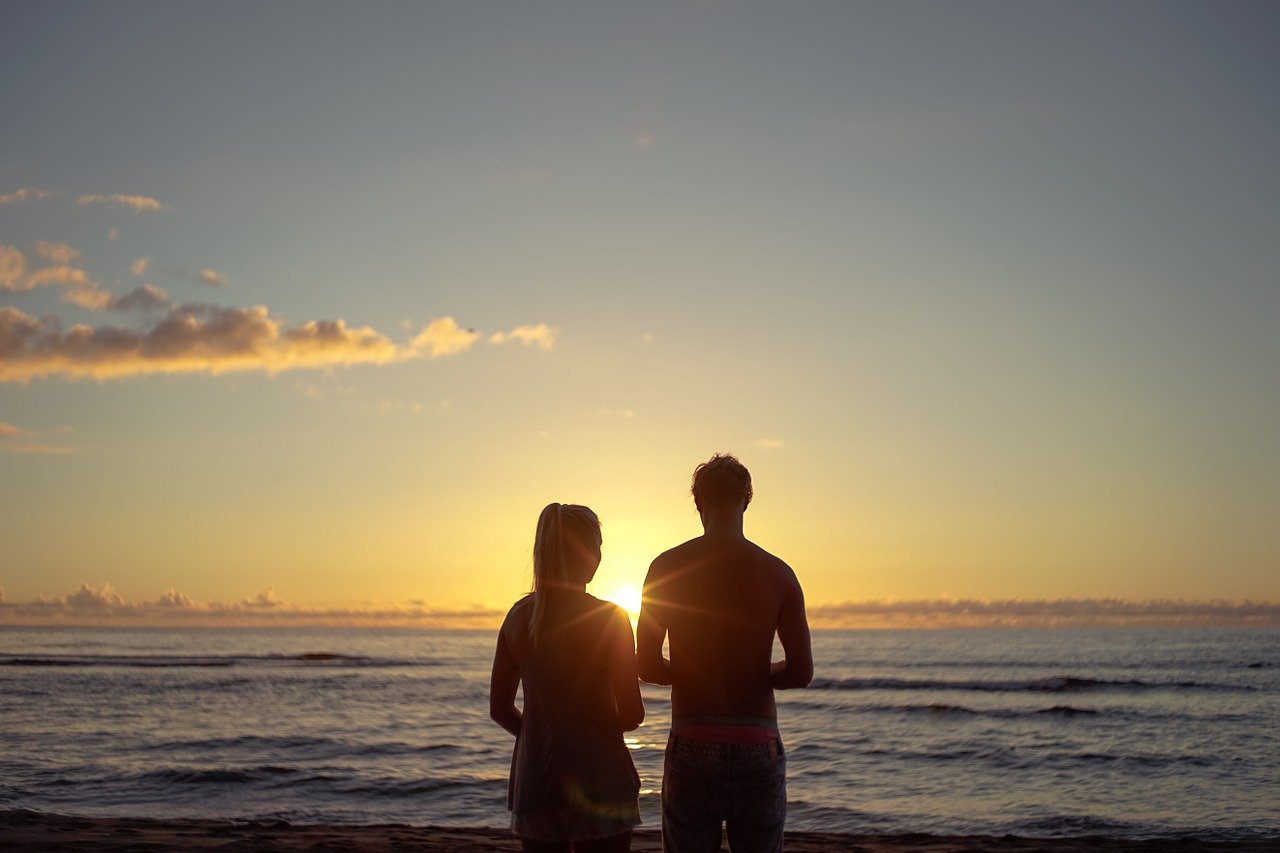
[26, 829]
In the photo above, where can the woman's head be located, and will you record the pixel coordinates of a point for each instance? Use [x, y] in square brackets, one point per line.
[566, 554]
[566, 549]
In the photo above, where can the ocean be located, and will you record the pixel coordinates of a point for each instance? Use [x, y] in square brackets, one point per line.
[1125, 732]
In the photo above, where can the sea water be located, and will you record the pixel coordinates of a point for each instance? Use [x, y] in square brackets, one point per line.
[1151, 732]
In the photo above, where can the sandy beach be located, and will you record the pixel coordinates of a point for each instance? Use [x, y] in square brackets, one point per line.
[35, 831]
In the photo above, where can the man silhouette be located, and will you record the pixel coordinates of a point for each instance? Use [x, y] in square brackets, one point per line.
[718, 600]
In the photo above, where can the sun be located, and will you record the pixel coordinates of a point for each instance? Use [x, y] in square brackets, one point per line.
[628, 598]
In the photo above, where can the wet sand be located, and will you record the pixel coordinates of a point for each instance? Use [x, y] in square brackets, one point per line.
[35, 831]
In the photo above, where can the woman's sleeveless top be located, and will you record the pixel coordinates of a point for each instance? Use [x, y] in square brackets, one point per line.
[571, 774]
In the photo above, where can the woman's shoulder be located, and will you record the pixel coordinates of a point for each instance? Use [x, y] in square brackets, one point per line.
[605, 608]
[519, 612]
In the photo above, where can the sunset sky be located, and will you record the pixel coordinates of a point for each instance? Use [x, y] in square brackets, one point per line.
[315, 305]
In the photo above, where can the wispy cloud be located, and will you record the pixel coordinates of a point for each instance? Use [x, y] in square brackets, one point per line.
[13, 269]
[213, 278]
[136, 203]
[950, 613]
[59, 253]
[443, 336]
[79, 289]
[103, 605]
[770, 443]
[139, 266]
[26, 194]
[14, 439]
[539, 334]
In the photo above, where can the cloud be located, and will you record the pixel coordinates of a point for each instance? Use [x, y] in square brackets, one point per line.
[188, 339]
[172, 598]
[103, 605]
[541, 334]
[113, 235]
[59, 275]
[443, 336]
[136, 203]
[213, 278]
[79, 288]
[949, 613]
[197, 337]
[88, 296]
[59, 253]
[14, 439]
[37, 449]
[139, 266]
[26, 194]
[13, 269]
[96, 600]
[770, 443]
[144, 298]
[265, 600]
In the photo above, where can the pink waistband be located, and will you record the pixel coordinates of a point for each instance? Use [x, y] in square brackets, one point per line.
[726, 734]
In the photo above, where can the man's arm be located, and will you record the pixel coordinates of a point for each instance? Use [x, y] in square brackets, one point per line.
[650, 633]
[622, 671]
[796, 667]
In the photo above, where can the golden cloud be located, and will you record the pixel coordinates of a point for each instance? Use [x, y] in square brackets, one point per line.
[443, 336]
[25, 194]
[199, 338]
[136, 203]
[15, 278]
[541, 335]
[190, 339]
[13, 269]
[213, 278]
[14, 439]
[103, 605]
[59, 253]
[1016, 612]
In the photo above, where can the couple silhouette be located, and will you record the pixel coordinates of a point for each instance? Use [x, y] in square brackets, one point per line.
[717, 601]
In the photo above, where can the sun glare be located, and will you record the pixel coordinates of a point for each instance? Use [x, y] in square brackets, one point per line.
[628, 598]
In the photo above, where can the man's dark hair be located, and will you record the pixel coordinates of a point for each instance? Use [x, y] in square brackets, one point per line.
[721, 481]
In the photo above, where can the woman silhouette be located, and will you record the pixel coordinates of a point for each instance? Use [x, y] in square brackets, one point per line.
[573, 785]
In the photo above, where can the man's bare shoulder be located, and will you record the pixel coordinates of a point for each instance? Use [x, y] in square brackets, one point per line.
[771, 560]
[674, 558]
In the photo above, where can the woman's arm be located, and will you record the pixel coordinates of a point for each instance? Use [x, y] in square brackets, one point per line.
[622, 671]
[503, 683]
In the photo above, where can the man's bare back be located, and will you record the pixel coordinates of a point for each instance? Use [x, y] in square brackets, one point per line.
[720, 598]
